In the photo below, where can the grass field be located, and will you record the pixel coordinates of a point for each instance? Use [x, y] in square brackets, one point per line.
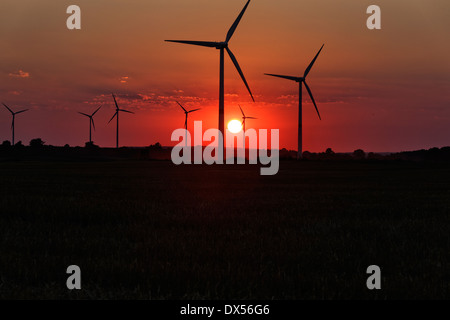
[152, 230]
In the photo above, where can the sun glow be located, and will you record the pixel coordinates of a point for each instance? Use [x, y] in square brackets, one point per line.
[234, 126]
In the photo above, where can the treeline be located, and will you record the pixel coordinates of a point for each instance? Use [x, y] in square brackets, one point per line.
[38, 149]
[433, 154]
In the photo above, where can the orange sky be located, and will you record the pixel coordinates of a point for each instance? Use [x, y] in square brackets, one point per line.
[386, 90]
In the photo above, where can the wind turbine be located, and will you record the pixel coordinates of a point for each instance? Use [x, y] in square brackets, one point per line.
[13, 119]
[301, 80]
[185, 121]
[186, 113]
[244, 117]
[91, 122]
[222, 46]
[116, 114]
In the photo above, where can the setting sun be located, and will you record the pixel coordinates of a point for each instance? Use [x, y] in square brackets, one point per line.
[234, 126]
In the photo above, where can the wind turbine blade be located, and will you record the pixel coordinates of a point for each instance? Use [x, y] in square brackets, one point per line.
[242, 111]
[236, 64]
[84, 114]
[93, 124]
[250, 118]
[194, 110]
[312, 63]
[125, 111]
[181, 107]
[236, 23]
[117, 107]
[96, 111]
[312, 98]
[22, 111]
[284, 77]
[8, 108]
[197, 43]
[115, 114]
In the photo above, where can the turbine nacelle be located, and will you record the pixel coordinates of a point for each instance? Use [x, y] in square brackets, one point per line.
[222, 45]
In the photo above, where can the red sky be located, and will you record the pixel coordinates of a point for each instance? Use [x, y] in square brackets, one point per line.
[384, 90]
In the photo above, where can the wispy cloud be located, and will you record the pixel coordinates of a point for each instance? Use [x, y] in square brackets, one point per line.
[124, 79]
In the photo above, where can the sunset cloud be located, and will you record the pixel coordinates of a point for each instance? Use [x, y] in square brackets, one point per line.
[20, 74]
[146, 96]
[124, 79]
[287, 97]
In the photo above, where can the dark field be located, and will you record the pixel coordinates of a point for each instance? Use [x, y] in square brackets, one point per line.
[151, 230]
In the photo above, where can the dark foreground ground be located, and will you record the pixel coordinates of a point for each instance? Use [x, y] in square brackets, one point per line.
[151, 230]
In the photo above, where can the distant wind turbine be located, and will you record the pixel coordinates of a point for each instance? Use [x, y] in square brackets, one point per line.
[186, 113]
[13, 120]
[244, 117]
[91, 122]
[222, 46]
[301, 80]
[186, 119]
[116, 114]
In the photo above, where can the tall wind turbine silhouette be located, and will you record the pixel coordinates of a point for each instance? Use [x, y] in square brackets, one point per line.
[13, 120]
[117, 117]
[186, 119]
[91, 122]
[244, 117]
[222, 46]
[301, 80]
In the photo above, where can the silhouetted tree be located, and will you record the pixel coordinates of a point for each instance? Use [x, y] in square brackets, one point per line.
[285, 154]
[329, 152]
[328, 155]
[359, 154]
[156, 146]
[375, 156]
[37, 143]
[19, 144]
[6, 144]
[306, 155]
[91, 145]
